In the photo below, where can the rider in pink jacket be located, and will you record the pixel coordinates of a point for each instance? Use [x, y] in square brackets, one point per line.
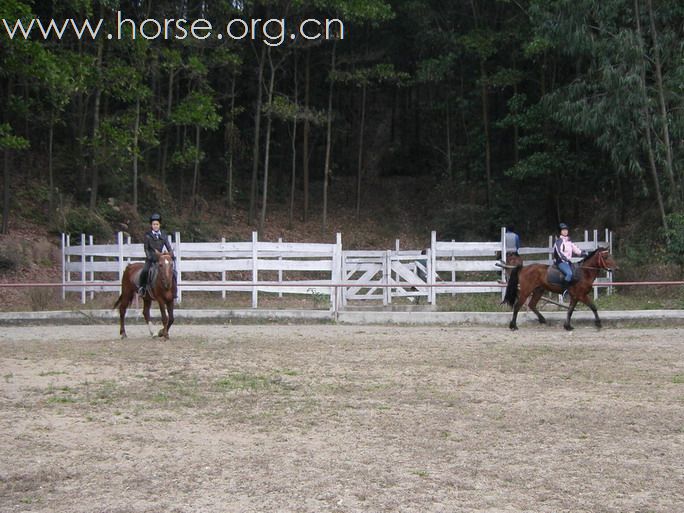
[563, 250]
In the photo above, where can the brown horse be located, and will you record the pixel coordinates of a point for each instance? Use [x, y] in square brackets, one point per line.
[532, 280]
[162, 288]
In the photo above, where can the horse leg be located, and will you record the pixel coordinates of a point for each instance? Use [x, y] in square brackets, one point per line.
[169, 308]
[587, 301]
[533, 304]
[146, 314]
[571, 308]
[123, 306]
[523, 294]
[164, 331]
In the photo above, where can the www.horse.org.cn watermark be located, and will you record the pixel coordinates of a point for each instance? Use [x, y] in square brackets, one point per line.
[273, 31]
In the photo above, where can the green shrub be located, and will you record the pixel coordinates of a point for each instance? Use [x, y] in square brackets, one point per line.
[675, 236]
[81, 220]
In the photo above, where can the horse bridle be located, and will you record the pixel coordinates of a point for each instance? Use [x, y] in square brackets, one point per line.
[601, 263]
[162, 277]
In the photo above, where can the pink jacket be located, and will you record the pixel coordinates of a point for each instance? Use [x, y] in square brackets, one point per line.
[564, 249]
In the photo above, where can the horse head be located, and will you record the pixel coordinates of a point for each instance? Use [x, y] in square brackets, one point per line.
[600, 258]
[165, 269]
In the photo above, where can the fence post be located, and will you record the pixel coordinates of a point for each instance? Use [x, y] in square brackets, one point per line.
[83, 268]
[432, 296]
[255, 270]
[63, 267]
[343, 275]
[390, 280]
[610, 247]
[336, 276]
[453, 273]
[178, 251]
[504, 252]
[120, 257]
[92, 272]
[280, 269]
[223, 271]
[596, 289]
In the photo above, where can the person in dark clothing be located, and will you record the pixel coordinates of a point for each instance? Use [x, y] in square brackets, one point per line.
[155, 240]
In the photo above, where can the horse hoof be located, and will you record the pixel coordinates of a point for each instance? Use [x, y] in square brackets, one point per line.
[542, 320]
[513, 327]
[123, 336]
[568, 327]
[598, 326]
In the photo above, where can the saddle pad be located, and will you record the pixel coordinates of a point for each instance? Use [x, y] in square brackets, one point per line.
[555, 276]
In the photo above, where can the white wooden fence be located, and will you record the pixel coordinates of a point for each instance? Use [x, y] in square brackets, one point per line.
[309, 268]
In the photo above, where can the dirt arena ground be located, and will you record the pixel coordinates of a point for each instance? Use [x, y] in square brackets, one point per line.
[341, 419]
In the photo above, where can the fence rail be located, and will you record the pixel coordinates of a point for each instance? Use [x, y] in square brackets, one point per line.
[446, 267]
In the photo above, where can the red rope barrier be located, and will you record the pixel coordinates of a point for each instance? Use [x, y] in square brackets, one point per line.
[324, 285]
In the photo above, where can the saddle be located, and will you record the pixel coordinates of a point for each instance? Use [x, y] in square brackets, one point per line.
[556, 277]
[151, 278]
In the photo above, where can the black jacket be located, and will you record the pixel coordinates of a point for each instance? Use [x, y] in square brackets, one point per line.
[153, 243]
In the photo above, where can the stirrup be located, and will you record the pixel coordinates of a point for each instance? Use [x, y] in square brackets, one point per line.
[141, 291]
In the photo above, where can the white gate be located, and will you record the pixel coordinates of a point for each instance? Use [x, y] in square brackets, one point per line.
[407, 269]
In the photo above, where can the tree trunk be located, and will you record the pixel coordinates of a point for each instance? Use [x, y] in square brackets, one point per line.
[165, 148]
[51, 178]
[663, 107]
[136, 130]
[485, 126]
[449, 159]
[305, 135]
[257, 135]
[229, 177]
[359, 170]
[6, 196]
[647, 117]
[196, 171]
[95, 182]
[293, 179]
[328, 138]
[267, 144]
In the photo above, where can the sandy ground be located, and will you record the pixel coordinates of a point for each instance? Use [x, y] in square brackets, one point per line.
[341, 419]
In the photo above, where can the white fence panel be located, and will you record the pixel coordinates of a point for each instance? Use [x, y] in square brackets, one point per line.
[311, 268]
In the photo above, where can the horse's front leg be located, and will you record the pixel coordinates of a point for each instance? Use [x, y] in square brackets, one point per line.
[147, 303]
[571, 308]
[164, 332]
[169, 308]
[587, 301]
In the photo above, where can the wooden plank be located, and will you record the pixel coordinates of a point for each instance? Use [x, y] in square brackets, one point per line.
[467, 265]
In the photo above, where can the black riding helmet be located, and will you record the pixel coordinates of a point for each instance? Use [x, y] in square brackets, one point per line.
[155, 217]
[563, 226]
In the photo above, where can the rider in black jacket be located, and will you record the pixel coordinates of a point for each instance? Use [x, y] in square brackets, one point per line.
[155, 240]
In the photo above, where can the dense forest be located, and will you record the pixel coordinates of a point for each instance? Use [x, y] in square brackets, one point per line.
[497, 111]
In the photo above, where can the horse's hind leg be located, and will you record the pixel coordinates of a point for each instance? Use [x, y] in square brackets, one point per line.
[146, 314]
[124, 303]
[537, 294]
[571, 308]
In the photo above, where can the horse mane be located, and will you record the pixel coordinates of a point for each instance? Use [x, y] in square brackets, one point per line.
[592, 253]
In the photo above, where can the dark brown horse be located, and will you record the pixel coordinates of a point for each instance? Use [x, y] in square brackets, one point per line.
[532, 280]
[162, 288]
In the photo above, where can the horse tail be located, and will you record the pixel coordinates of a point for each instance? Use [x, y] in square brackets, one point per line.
[511, 295]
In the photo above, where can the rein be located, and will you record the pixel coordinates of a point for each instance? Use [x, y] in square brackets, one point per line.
[601, 264]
